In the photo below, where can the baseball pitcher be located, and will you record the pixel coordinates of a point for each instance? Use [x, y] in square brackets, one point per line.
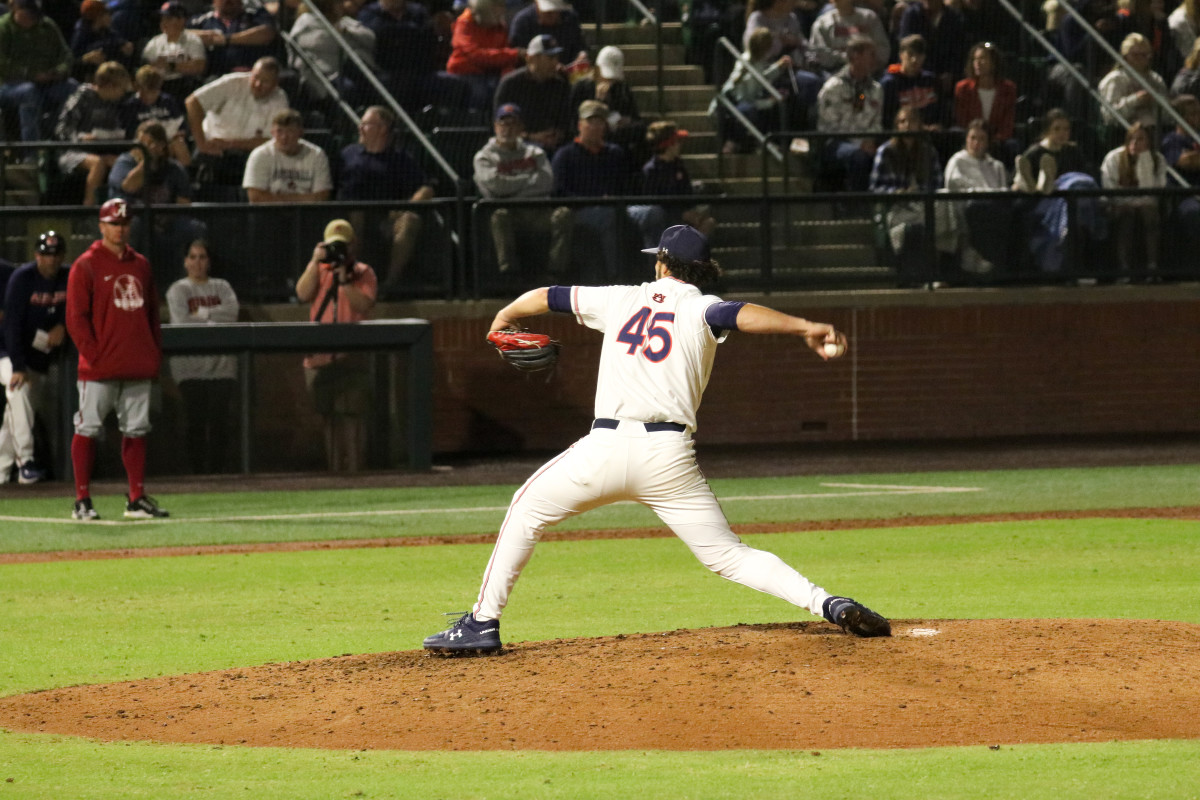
[659, 342]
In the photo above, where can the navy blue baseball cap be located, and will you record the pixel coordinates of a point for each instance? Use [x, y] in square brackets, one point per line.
[508, 110]
[544, 44]
[51, 244]
[684, 243]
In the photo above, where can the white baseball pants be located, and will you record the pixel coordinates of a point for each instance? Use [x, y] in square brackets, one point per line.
[657, 469]
[16, 432]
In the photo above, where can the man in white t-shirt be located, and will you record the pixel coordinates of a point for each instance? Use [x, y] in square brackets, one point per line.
[287, 169]
[231, 116]
[177, 53]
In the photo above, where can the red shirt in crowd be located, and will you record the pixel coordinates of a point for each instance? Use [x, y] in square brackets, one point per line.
[967, 107]
[479, 50]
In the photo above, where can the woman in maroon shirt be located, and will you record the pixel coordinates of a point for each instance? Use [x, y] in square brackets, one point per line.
[985, 95]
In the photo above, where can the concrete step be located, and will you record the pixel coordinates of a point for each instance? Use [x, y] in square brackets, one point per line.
[22, 197]
[860, 277]
[20, 176]
[744, 187]
[694, 122]
[701, 142]
[800, 258]
[833, 233]
[712, 165]
[622, 33]
[644, 55]
[673, 75]
[675, 98]
[801, 216]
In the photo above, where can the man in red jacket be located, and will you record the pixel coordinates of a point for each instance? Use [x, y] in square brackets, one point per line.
[112, 316]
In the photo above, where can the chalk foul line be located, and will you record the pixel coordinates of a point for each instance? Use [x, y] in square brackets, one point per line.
[863, 490]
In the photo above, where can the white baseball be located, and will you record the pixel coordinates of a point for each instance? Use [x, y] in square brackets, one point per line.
[834, 349]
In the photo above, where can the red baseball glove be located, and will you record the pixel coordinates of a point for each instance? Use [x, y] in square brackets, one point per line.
[528, 352]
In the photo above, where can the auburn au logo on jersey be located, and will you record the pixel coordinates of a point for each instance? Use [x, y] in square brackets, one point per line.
[659, 298]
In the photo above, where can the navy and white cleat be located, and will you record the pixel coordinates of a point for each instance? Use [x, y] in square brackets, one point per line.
[855, 618]
[467, 637]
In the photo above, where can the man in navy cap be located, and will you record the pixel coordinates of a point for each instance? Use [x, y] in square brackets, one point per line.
[553, 18]
[660, 340]
[30, 342]
[541, 92]
[509, 167]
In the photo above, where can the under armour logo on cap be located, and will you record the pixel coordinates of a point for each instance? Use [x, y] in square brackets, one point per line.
[683, 242]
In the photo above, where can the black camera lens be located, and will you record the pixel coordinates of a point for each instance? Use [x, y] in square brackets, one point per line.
[336, 252]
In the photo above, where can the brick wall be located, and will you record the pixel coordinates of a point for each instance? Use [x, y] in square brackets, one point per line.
[937, 365]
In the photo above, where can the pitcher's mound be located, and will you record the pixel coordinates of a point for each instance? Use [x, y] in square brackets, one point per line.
[795, 686]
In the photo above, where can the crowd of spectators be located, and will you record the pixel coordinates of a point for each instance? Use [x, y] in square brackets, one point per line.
[234, 102]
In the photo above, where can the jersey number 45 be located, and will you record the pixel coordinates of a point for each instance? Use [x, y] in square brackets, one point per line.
[642, 329]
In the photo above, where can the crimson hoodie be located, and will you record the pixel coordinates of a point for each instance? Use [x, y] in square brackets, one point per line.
[112, 315]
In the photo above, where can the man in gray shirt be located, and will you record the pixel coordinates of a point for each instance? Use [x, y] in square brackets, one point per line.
[510, 167]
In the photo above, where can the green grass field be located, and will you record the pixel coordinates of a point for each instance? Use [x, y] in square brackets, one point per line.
[65, 623]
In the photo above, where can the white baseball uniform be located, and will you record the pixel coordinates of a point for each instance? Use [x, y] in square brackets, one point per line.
[654, 365]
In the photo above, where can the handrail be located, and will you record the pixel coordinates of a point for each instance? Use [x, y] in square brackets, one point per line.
[762, 138]
[723, 101]
[1085, 83]
[388, 99]
[758, 76]
[656, 21]
[447, 170]
[322, 78]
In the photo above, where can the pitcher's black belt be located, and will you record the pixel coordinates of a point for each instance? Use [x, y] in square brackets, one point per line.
[651, 427]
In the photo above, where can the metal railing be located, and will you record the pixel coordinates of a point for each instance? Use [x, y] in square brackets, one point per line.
[1162, 103]
[413, 130]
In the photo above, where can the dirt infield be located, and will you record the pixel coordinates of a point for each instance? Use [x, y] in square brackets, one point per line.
[800, 686]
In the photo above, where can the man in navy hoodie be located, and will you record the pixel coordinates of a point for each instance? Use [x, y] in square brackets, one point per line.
[33, 334]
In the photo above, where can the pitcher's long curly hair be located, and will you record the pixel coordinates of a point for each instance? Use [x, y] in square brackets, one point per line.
[701, 274]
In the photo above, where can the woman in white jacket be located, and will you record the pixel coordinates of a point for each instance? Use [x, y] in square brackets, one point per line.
[1135, 165]
[984, 236]
[1124, 93]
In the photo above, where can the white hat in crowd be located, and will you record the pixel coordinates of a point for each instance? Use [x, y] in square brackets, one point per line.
[611, 63]
[553, 5]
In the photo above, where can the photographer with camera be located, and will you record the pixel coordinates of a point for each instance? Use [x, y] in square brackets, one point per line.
[340, 289]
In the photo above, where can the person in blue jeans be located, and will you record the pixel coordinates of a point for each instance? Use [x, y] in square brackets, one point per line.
[589, 166]
[35, 67]
[852, 102]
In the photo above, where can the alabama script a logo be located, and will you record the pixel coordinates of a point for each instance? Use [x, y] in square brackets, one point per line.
[127, 293]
